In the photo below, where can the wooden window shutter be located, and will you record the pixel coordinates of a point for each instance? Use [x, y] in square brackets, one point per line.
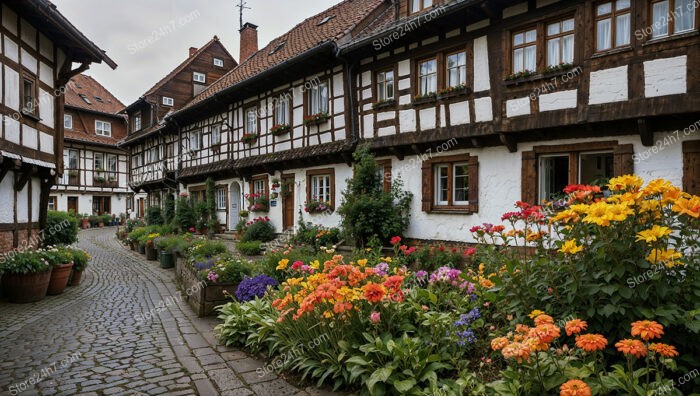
[473, 184]
[691, 167]
[623, 162]
[427, 194]
[529, 177]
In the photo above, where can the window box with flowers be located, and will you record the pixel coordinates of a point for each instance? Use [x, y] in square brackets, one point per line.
[384, 104]
[315, 205]
[425, 98]
[557, 69]
[316, 119]
[99, 180]
[249, 138]
[280, 129]
[258, 202]
[457, 90]
[520, 76]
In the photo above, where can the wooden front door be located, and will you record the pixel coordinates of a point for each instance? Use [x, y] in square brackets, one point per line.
[142, 207]
[288, 185]
[73, 204]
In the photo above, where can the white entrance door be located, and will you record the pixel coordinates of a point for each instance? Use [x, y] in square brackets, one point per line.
[235, 202]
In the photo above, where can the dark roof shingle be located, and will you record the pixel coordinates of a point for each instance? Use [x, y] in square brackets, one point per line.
[101, 100]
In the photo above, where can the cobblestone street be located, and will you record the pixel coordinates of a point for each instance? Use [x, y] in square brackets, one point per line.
[113, 354]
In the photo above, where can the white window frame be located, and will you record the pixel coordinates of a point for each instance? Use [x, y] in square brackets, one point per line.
[419, 5]
[282, 111]
[460, 67]
[559, 37]
[67, 121]
[321, 188]
[251, 120]
[427, 81]
[216, 134]
[218, 62]
[77, 159]
[199, 77]
[168, 101]
[439, 184]
[319, 97]
[137, 122]
[221, 199]
[195, 139]
[605, 17]
[103, 128]
[386, 88]
[101, 158]
[260, 186]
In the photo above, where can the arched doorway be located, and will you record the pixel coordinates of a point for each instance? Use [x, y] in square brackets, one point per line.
[234, 197]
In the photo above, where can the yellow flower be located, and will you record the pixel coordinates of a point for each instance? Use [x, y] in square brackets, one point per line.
[362, 262]
[570, 247]
[688, 206]
[282, 265]
[625, 183]
[315, 264]
[657, 187]
[565, 216]
[618, 212]
[387, 259]
[668, 257]
[597, 214]
[535, 313]
[482, 267]
[654, 234]
[368, 250]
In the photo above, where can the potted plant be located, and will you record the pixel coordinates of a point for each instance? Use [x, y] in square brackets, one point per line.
[80, 263]
[314, 205]
[166, 246]
[258, 202]
[280, 129]
[62, 262]
[151, 253]
[316, 119]
[99, 179]
[26, 276]
[249, 138]
[243, 213]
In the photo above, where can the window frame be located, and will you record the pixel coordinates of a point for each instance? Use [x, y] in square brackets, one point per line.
[526, 44]
[53, 203]
[217, 193]
[215, 127]
[168, 101]
[68, 117]
[316, 90]
[430, 201]
[561, 35]
[325, 172]
[104, 123]
[95, 156]
[287, 114]
[614, 13]
[136, 122]
[421, 7]
[264, 180]
[419, 76]
[670, 21]
[194, 133]
[447, 68]
[247, 119]
[34, 81]
[77, 159]
[195, 76]
[383, 88]
[218, 62]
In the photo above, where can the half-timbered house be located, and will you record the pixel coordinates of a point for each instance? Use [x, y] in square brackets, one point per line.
[153, 144]
[474, 104]
[95, 177]
[39, 47]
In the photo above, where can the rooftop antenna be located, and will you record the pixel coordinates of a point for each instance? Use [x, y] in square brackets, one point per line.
[242, 6]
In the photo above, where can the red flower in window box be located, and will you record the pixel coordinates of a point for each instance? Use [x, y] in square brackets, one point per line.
[249, 138]
[315, 205]
[280, 129]
[258, 202]
[315, 119]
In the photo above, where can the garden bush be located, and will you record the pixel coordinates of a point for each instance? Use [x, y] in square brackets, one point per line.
[249, 248]
[184, 214]
[154, 216]
[316, 235]
[169, 210]
[61, 229]
[259, 230]
[221, 268]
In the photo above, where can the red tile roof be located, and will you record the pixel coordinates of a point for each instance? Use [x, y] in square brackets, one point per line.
[101, 100]
[90, 138]
[340, 21]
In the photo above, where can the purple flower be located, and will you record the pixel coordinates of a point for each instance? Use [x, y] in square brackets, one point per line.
[421, 274]
[382, 269]
[204, 265]
[251, 288]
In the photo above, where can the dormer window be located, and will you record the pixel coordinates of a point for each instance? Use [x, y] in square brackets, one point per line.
[103, 128]
[99, 99]
[168, 101]
[67, 121]
[278, 47]
[325, 20]
[199, 77]
[85, 99]
[218, 62]
[419, 5]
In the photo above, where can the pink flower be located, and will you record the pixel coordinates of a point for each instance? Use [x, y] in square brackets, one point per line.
[470, 251]
[395, 240]
[212, 276]
[375, 317]
[191, 229]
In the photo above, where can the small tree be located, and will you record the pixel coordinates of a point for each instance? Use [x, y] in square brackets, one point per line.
[154, 216]
[213, 223]
[184, 214]
[63, 229]
[368, 212]
[169, 209]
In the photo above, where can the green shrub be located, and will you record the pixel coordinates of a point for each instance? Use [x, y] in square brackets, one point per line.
[316, 235]
[367, 210]
[169, 210]
[184, 214]
[260, 230]
[201, 216]
[80, 258]
[132, 224]
[61, 229]
[154, 216]
[202, 248]
[249, 248]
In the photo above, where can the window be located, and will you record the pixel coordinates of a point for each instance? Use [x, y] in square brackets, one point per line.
[29, 103]
[321, 185]
[216, 135]
[52, 203]
[613, 24]
[677, 16]
[168, 101]
[199, 77]
[73, 159]
[457, 70]
[195, 138]
[136, 123]
[450, 184]
[68, 121]
[427, 77]
[318, 98]
[112, 163]
[251, 121]
[525, 51]
[384, 174]
[560, 42]
[153, 155]
[101, 205]
[99, 164]
[99, 99]
[103, 128]
[385, 85]
[417, 5]
[555, 171]
[85, 98]
[218, 62]
[259, 185]
[282, 111]
[221, 199]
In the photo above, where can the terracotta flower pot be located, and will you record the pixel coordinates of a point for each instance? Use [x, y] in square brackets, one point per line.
[76, 277]
[59, 279]
[26, 288]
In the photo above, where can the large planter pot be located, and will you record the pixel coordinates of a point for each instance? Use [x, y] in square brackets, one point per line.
[76, 277]
[142, 249]
[26, 288]
[84, 223]
[59, 279]
[151, 253]
[167, 260]
[133, 246]
[201, 297]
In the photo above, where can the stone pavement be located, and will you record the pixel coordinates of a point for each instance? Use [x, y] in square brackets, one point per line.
[92, 340]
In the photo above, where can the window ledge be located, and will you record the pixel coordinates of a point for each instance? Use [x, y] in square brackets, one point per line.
[30, 116]
[427, 99]
[671, 37]
[384, 105]
[539, 76]
[464, 211]
[456, 93]
[614, 51]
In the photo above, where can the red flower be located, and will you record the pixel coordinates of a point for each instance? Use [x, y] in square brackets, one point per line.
[395, 240]
[297, 265]
[470, 251]
[475, 229]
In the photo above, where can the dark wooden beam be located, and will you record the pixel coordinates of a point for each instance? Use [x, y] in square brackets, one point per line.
[489, 10]
[347, 157]
[509, 141]
[645, 133]
[22, 177]
[396, 153]
[10, 165]
[476, 143]
[416, 149]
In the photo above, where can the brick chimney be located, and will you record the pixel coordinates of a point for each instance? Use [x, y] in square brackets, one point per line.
[249, 41]
[193, 50]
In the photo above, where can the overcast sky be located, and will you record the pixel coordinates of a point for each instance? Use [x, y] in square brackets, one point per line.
[119, 26]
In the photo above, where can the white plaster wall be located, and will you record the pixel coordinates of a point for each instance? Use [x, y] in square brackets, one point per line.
[407, 120]
[558, 100]
[483, 109]
[11, 88]
[518, 107]
[517, 9]
[11, 129]
[7, 197]
[665, 76]
[11, 49]
[29, 61]
[46, 108]
[427, 118]
[45, 47]
[36, 198]
[481, 65]
[459, 113]
[23, 204]
[46, 74]
[29, 138]
[9, 19]
[608, 85]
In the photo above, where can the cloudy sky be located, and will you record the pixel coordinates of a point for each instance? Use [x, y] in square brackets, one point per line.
[119, 26]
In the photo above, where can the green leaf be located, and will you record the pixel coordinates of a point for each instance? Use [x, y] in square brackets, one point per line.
[380, 375]
[405, 385]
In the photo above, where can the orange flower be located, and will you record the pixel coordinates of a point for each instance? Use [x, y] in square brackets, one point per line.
[517, 351]
[591, 342]
[545, 333]
[499, 343]
[542, 319]
[575, 326]
[341, 307]
[664, 349]
[574, 387]
[632, 347]
[394, 282]
[647, 329]
[373, 292]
